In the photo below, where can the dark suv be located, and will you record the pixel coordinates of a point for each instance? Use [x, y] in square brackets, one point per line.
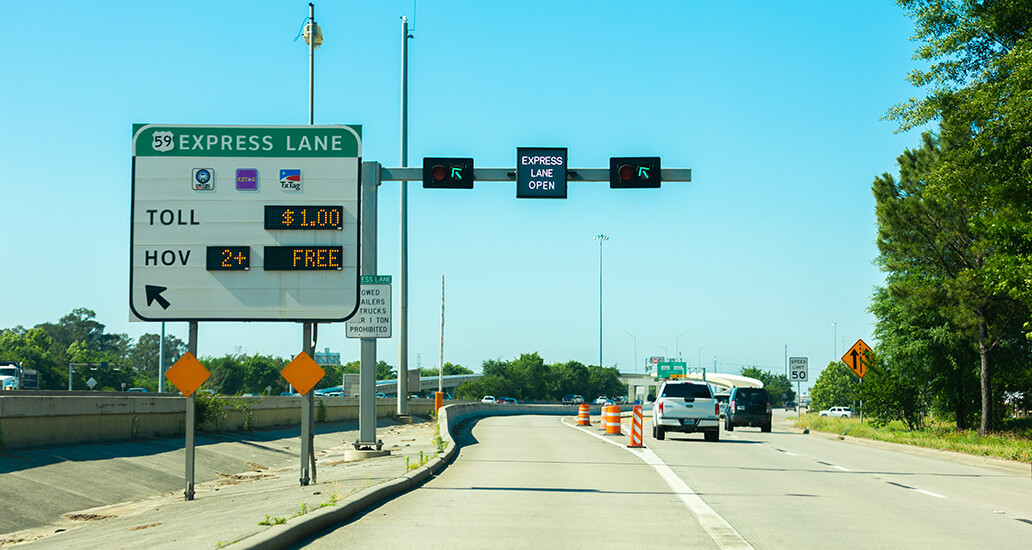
[748, 407]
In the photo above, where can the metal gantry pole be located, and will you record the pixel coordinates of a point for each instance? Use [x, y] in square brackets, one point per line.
[367, 366]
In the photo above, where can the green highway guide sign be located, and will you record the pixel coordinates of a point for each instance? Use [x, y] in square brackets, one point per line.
[155, 140]
[665, 369]
[245, 223]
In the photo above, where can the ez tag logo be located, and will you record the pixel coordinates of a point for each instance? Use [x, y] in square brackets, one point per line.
[163, 141]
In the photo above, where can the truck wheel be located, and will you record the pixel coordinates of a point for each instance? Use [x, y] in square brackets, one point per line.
[765, 427]
[660, 433]
[728, 425]
[713, 435]
[655, 433]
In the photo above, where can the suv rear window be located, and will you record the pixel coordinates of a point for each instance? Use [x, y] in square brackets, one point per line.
[751, 395]
[686, 390]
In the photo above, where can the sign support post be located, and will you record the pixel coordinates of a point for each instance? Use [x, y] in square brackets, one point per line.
[367, 369]
[191, 418]
[306, 412]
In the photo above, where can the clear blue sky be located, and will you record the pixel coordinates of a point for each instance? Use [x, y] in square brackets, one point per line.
[775, 107]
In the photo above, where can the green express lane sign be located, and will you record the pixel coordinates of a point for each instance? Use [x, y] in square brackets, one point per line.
[245, 223]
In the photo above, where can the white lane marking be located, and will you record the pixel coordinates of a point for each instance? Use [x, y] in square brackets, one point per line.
[719, 529]
[790, 454]
[841, 468]
[929, 493]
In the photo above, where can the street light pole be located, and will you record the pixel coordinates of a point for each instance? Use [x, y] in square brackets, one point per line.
[601, 239]
[677, 349]
[403, 232]
[834, 343]
[635, 351]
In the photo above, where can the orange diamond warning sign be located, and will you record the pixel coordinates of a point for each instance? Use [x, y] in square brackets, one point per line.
[303, 373]
[856, 358]
[187, 374]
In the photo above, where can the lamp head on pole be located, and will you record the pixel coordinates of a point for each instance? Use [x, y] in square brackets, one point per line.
[317, 41]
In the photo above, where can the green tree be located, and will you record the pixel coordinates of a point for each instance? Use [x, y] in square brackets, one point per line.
[835, 387]
[777, 385]
[571, 377]
[888, 394]
[485, 385]
[227, 374]
[263, 371]
[979, 78]
[143, 355]
[924, 351]
[448, 369]
[936, 247]
[32, 349]
[81, 326]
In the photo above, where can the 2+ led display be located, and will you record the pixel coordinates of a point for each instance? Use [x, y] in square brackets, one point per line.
[229, 258]
[304, 217]
[303, 258]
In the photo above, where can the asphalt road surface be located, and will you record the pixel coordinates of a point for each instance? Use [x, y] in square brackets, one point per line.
[538, 481]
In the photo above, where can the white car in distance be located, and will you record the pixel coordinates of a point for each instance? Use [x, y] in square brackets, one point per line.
[839, 412]
[488, 399]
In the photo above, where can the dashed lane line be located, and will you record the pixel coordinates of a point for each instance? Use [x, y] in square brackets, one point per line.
[716, 526]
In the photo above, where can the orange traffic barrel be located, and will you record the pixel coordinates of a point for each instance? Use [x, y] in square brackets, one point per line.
[613, 426]
[584, 415]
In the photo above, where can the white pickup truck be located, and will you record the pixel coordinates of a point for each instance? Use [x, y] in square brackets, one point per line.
[687, 407]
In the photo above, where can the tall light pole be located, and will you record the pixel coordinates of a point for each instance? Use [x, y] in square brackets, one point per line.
[834, 343]
[601, 239]
[700, 354]
[677, 350]
[403, 232]
[313, 37]
[635, 351]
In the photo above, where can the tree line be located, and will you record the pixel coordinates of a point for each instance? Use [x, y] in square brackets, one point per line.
[529, 378]
[117, 362]
[954, 228]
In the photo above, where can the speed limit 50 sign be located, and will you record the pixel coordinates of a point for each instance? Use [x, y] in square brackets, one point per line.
[797, 368]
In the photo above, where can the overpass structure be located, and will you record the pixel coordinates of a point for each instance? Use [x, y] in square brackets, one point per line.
[449, 383]
[639, 386]
[390, 387]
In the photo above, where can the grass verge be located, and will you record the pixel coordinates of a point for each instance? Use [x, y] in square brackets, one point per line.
[1013, 443]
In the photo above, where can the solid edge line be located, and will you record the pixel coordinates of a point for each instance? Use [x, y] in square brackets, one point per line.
[716, 526]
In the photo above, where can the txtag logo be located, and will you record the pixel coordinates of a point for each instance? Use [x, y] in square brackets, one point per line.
[290, 180]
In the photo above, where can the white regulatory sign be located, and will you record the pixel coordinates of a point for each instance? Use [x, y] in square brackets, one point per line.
[373, 319]
[798, 367]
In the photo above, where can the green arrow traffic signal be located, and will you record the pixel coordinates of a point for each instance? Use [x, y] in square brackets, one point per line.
[634, 172]
[447, 173]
